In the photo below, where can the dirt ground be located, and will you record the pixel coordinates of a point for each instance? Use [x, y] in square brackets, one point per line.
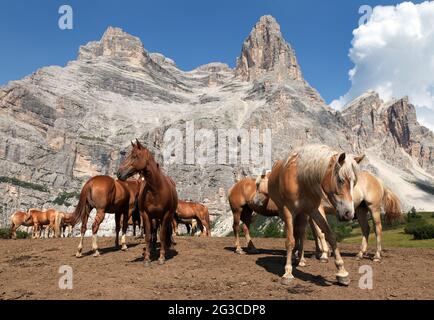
[203, 268]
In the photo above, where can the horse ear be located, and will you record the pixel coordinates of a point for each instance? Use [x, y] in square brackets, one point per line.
[341, 158]
[139, 145]
[132, 143]
[359, 159]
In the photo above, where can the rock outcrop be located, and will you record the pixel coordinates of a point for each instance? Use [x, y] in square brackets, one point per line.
[60, 126]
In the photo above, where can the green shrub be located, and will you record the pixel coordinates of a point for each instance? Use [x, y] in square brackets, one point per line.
[5, 234]
[62, 199]
[24, 184]
[420, 230]
[273, 230]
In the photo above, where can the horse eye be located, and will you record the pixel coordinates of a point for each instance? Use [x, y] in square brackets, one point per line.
[123, 153]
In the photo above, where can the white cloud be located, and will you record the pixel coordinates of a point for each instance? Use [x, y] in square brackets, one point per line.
[393, 54]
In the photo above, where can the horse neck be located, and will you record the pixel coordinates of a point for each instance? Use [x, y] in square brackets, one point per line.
[153, 175]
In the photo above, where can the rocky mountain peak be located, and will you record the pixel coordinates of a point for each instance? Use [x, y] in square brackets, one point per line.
[117, 46]
[264, 51]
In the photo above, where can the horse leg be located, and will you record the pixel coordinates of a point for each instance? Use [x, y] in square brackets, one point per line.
[246, 217]
[163, 239]
[325, 252]
[124, 232]
[342, 275]
[82, 233]
[299, 234]
[362, 217]
[36, 231]
[148, 238]
[376, 216]
[99, 217]
[289, 244]
[117, 229]
[13, 231]
[236, 227]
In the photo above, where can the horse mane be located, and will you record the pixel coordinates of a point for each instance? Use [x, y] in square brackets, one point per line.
[313, 162]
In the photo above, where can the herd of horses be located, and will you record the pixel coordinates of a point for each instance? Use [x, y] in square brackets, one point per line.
[313, 181]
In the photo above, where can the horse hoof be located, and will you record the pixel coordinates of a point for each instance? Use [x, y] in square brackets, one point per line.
[146, 263]
[343, 280]
[286, 280]
[302, 264]
[161, 261]
[96, 254]
[376, 259]
[124, 248]
[239, 251]
[324, 260]
[78, 255]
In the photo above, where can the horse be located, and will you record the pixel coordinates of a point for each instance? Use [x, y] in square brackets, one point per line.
[297, 185]
[370, 195]
[19, 218]
[65, 224]
[157, 198]
[105, 194]
[241, 200]
[188, 210]
[190, 224]
[48, 218]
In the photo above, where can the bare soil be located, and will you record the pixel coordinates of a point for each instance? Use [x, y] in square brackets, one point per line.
[203, 268]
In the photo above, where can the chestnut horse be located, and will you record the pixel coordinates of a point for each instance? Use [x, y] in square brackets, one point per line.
[48, 218]
[188, 210]
[105, 194]
[297, 186]
[18, 219]
[241, 198]
[370, 195]
[158, 198]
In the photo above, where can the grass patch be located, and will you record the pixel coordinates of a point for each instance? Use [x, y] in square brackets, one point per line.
[23, 184]
[92, 138]
[62, 199]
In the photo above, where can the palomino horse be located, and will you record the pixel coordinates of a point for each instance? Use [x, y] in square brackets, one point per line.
[18, 219]
[297, 186]
[105, 194]
[241, 200]
[188, 210]
[369, 196]
[158, 198]
[66, 226]
[48, 218]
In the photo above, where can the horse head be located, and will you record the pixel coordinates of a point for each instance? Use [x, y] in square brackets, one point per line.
[135, 161]
[338, 184]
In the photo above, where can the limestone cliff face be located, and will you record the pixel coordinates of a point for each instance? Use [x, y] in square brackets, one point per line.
[60, 126]
[391, 126]
[266, 51]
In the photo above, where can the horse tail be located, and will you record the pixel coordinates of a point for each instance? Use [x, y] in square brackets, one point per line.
[208, 224]
[392, 206]
[136, 212]
[82, 208]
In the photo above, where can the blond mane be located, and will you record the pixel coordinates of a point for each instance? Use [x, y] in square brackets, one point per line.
[313, 161]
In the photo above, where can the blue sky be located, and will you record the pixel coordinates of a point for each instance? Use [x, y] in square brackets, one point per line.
[192, 32]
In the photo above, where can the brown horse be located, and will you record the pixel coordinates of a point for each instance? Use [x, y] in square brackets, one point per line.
[158, 198]
[105, 194]
[48, 218]
[370, 195]
[188, 210]
[190, 224]
[297, 186]
[18, 219]
[241, 197]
